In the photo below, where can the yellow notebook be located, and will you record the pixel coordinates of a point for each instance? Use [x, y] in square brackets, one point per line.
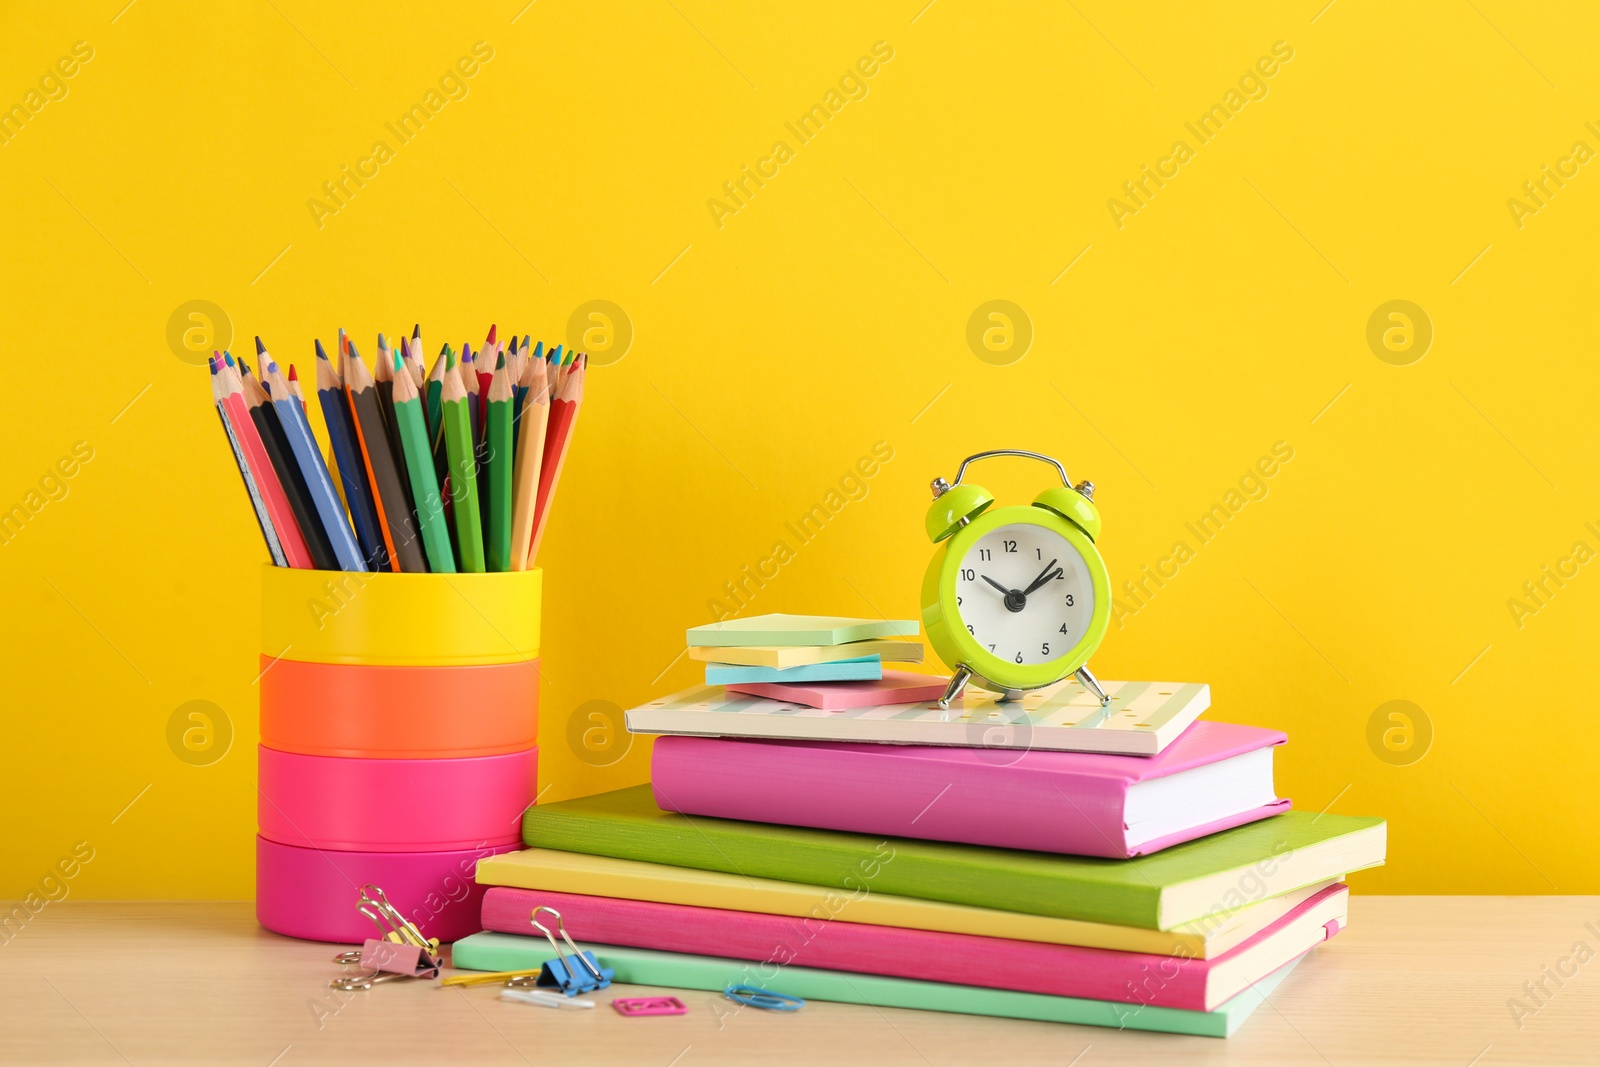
[782, 656]
[572, 872]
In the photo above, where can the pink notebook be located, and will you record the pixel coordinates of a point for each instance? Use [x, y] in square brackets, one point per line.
[771, 941]
[895, 687]
[1215, 776]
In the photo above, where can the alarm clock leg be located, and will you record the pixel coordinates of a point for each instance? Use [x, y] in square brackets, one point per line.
[958, 682]
[1092, 685]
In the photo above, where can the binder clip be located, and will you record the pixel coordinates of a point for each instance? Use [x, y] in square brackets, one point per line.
[578, 973]
[399, 952]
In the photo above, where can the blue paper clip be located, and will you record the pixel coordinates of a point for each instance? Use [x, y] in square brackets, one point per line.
[580, 973]
[765, 999]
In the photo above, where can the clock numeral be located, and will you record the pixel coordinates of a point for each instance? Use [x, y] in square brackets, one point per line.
[958, 602]
[1063, 628]
[1038, 553]
[991, 648]
[1061, 575]
[985, 554]
[1044, 649]
[1010, 546]
[968, 575]
[1019, 657]
[1069, 600]
[971, 631]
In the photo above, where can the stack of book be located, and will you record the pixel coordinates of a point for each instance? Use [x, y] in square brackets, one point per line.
[1046, 858]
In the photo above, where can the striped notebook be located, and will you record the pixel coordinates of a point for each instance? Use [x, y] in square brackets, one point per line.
[1142, 719]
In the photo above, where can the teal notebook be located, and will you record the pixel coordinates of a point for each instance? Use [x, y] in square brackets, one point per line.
[672, 970]
[1180, 884]
[797, 630]
[858, 669]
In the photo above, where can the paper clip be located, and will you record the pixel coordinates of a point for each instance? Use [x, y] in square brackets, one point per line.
[583, 976]
[764, 999]
[635, 1007]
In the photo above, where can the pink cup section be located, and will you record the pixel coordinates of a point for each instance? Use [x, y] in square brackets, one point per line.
[312, 894]
[387, 805]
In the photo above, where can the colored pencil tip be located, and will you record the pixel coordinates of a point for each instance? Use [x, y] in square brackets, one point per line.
[350, 347]
[261, 349]
[212, 363]
[449, 358]
[538, 350]
[416, 332]
[466, 353]
[227, 358]
[294, 375]
[500, 362]
[382, 341]
[555, 354]
[399, 360]
[320, 353]
[490, 341]
[527, 339]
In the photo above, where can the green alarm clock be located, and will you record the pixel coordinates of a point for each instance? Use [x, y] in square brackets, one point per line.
[1017, 597]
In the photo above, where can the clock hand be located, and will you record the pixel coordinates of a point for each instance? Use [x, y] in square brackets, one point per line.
[1044, 576]
[996, 584]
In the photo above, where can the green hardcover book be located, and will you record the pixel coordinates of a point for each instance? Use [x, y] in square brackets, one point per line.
[790, 630]
[1177, 885]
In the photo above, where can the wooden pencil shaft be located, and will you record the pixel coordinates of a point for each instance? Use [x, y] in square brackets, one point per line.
[353, 476]
[319, 486]
[525, 478]
[295, 549]
[464, 483]
[498, 472]
[294, 487]
[257, 503]
[374, 438]
[424, 485]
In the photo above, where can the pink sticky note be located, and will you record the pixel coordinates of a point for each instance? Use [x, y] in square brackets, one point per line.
[895, 687]
[649, 1006]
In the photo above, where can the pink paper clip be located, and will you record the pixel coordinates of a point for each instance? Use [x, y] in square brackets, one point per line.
[632, 1006]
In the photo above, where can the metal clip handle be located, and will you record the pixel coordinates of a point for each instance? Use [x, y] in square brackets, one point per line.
[583, 960]
[392, 926]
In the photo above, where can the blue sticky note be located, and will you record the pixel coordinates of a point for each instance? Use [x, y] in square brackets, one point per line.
[861, 669]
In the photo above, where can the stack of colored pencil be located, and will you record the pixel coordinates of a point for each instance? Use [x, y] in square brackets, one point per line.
[450, 471]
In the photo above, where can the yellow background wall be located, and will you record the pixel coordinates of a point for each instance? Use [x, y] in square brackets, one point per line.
[775, 344]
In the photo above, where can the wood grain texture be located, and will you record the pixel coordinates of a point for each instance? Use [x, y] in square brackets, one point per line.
[1413, 981]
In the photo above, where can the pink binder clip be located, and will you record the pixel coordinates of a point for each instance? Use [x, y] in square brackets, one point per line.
[634, 1006]
[400, 952]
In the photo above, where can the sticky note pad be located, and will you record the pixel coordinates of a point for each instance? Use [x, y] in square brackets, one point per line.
[865, 668]
[798, 630]
[895, 687]
[798, 655]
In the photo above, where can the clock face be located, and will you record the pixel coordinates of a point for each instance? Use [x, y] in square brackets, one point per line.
[1024, 594]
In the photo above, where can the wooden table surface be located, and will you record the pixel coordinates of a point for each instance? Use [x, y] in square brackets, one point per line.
[1414, 980]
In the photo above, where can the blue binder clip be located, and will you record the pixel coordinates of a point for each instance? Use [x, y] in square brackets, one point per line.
[578, 973]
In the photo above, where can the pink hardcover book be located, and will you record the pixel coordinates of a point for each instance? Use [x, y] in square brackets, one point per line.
[1215, 776]
[772, 941]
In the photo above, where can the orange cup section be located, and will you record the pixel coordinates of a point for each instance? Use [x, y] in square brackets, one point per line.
[334, 709]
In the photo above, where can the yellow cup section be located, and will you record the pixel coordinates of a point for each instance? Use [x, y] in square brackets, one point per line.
[400, 620]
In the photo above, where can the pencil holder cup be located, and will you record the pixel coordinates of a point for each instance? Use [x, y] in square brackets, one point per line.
[399, 729]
